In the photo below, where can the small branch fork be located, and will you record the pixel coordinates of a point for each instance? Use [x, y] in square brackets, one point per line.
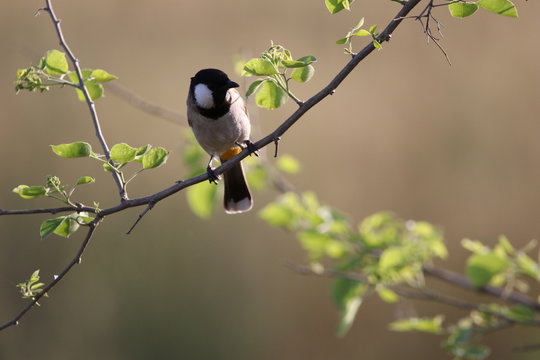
[425, 19]
[153, 199]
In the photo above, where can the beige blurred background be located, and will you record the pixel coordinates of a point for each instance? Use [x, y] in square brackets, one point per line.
[454, 145]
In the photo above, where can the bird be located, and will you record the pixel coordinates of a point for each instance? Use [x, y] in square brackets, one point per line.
[218, 116]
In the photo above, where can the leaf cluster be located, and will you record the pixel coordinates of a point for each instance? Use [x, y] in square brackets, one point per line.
[31, 287]
[383, 255]
[53, 70]
[277, 67]
[357, 30]
[120, 155]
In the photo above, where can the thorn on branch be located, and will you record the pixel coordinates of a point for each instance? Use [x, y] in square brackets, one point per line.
[38, 11]
[276, 143]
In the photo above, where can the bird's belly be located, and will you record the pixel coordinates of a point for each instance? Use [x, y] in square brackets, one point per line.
[217, 136]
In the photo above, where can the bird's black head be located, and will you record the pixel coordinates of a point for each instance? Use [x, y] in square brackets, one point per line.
[213, 78]
[208, 89]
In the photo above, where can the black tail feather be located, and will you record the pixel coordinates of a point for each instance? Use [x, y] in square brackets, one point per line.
[237, 197]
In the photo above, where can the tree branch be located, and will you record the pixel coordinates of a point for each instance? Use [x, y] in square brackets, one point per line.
[48, 210]
[461, 281]
[424, 294]
[89, 101]
[138, 102]
[76, 260]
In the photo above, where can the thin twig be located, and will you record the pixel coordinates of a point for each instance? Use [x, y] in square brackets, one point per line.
[148, 208]
[150, 108]
[91, 106]
[76, 260]
[49, 210]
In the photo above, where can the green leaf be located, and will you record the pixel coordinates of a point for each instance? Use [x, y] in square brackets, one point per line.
[318, 245]
[201, 199]
[85, 180]
[387, 295]
[258, 67]
[154, 158]
[34, 277]
[68, 226]
[293, 64]
[347, 295]
[474, 246]
[253, 87]
[257, 176]
[84, 217]
[358, 24]
[335, 6]
[392, 258]
[308, 59]
[342, 41]
[380, 230]
[140, 152]
[72, 150]
[501, 7]
[462, 9]
[277, 215]
[430, 325]
[303, 74]
[372, 29]
[481, 268]
[270, 96]
[100, 75]
[528, 266]
[377, 45]
[521, 313]
[56, 63]
[107, 167]
[30, 192]
[506, 245]
[123, 153]
[288, 164]
[49, 226]
[42, 63]
[362, 32]
[95, 90]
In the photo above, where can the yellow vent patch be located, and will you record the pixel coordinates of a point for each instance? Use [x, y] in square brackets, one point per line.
[230, 153]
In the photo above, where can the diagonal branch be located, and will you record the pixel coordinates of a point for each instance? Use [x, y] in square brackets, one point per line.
[89, 101]
[76, 260]
[459, 280]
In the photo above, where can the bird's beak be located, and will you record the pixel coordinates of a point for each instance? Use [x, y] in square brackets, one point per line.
[232, 84]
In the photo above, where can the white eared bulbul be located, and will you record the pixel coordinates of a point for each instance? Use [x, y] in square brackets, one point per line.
[218, 116]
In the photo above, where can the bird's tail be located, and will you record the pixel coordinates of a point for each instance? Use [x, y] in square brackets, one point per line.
[237, 197]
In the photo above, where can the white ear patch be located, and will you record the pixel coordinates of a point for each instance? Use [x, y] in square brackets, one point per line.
[203, 96]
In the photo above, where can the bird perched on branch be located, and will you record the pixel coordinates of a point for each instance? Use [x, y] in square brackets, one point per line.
[219, 119]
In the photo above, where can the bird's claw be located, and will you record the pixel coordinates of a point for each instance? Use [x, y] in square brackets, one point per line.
[213, 178]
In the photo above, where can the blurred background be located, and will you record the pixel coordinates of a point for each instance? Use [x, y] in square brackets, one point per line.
[454, 145]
